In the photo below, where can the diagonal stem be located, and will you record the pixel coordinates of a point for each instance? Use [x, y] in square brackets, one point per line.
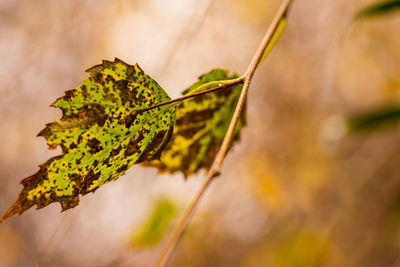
[215, 169]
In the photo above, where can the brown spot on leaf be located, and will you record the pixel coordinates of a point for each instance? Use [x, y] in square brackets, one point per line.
[187, 161]
[69, 94]
[97, 77]
[85, 93]
[85, 117]
[72, 146]
[195, 116]
[130, 119]
[132, 147]
[166, 141]
[150, 149]
[190, 131]
[77, 178]
[94, 145]
[122, 169]
[88, 181]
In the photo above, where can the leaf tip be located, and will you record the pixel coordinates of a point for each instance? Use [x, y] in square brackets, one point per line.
[117, 60]
[69, 204]
[14, 209]
[41, 133]
[185, 175]
[138, 68]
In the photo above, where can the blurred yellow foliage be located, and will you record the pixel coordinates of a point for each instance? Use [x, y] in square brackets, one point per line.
[296, 248]
[302, 250]
[264, 184]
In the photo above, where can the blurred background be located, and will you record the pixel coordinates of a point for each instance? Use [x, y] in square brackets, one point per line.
[314, 180]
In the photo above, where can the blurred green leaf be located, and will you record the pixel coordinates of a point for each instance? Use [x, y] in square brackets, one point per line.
[377, 9]
[275, 37]
[382, 117]
[154, 229]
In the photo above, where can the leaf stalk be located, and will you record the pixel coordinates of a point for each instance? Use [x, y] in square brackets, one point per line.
[197, 92]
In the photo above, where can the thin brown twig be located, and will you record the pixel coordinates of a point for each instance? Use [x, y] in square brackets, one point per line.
[225, 84]
[215, 169]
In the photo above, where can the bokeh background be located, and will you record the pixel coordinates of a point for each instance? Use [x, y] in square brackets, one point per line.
[301, 188]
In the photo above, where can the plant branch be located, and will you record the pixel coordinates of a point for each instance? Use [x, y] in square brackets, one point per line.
[215, 169]
[220, 85]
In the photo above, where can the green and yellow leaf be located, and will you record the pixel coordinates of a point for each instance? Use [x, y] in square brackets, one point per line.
[100, 135]
[201, 125]
[275, 36]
